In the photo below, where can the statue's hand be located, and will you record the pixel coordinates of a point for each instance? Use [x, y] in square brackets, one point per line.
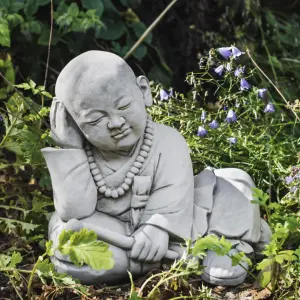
[151, 244]
[64, 130]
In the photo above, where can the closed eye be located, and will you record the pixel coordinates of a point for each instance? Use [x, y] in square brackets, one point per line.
[124, 107]
[96, 121]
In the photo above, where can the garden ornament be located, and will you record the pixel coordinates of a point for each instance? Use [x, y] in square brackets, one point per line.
[131, 180]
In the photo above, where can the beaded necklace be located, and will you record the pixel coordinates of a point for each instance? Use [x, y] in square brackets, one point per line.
[134, 169]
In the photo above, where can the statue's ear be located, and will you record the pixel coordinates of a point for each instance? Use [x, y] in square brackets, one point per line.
[143, 84]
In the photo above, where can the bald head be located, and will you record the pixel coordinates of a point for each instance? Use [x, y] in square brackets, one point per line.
[103, 67]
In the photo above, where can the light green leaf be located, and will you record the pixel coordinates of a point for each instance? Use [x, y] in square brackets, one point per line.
[4, 260]
[265, 278]
[16, 258]
[4, 33]
[286, 255]
[264, 264]
[83, 247]
[24, 86]
[73, 10]
[94, 4]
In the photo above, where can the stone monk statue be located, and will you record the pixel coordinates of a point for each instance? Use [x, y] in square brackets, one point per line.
[131, 180]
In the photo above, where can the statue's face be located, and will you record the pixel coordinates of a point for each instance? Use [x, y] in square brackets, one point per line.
[111, 116]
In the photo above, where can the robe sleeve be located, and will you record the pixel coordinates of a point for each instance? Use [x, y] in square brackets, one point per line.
[74, 191]
[170, 204]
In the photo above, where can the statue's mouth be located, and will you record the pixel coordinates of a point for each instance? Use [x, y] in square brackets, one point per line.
[122, 134]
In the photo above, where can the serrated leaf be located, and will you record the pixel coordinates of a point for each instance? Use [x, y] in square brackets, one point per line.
[83, 247]
[16, 258]
[64, 237]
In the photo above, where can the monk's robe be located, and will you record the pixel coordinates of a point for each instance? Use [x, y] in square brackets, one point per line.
[162, 194]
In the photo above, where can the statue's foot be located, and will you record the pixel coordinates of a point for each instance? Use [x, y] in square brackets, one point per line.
[219, 270]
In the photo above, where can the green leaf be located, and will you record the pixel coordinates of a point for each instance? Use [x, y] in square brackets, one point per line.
[4, 260]
[15, 7]
[139, 28]
[83, 247]
[73, 10]
[94, 4]
[286, 255]
[267, 262]
[240, 257]
[265, 278]
[31, 7]
[4, 33]
[16, 258]
[113, 30]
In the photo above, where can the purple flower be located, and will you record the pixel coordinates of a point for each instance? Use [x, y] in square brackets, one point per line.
[262, 93]
[232, 140]
[293, 189]
[236, 52]
[228, 67]
[289, 179]
[225, 107]
[203, 116]
[231, 116]
[225, 52]
[164, 95]
[202, 132]
[214, 124]
[239, 71]
[244, 84]
[269, 108]
[219, 70]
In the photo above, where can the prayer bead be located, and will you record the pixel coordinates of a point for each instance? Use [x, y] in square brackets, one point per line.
[102, 189]
[114, 194]
[128, 181]
[140, 159]
[121, 192]
[130, 175]
[95, 171]
[143, 153]
[125, 186]
[108, 192]
[137, 164]
[134, 170]
[145, 148]
[148, 136]
[100, 183]
[89, 153]
[91, 159]
[148, 142]
[93, 166]
[97, 177]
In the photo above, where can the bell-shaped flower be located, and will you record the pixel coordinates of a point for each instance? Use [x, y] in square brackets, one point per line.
[228, 67]
[203, 116]
[294, 189]
[231, 116]
[219, 70]
[239, 71]
[236, 52]
[262, 93]
[232, 140]
[289, 179]
[164, 95]
[214, 124]
[202, 132]
[225, 52]
[269, 108]
[244, 84]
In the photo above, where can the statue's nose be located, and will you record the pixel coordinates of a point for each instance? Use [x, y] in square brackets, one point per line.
[115, 122]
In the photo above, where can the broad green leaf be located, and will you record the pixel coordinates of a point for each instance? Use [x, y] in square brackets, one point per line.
[265, 278]
[5, 4]
[94, 4]
[264, 264]
[4, 260]
[83, 247]
[112, 30]
[4, 33]
[286, 255]
[73, 10]
[31, 7]
[64, 237]
[139, 28]
[16, 6]
[16, 258]
[240, 257]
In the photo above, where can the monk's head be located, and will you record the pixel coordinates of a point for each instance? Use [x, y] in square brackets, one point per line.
[105, 99]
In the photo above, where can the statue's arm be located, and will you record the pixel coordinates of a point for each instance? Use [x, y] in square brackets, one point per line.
[170, 205]
[75, 193]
